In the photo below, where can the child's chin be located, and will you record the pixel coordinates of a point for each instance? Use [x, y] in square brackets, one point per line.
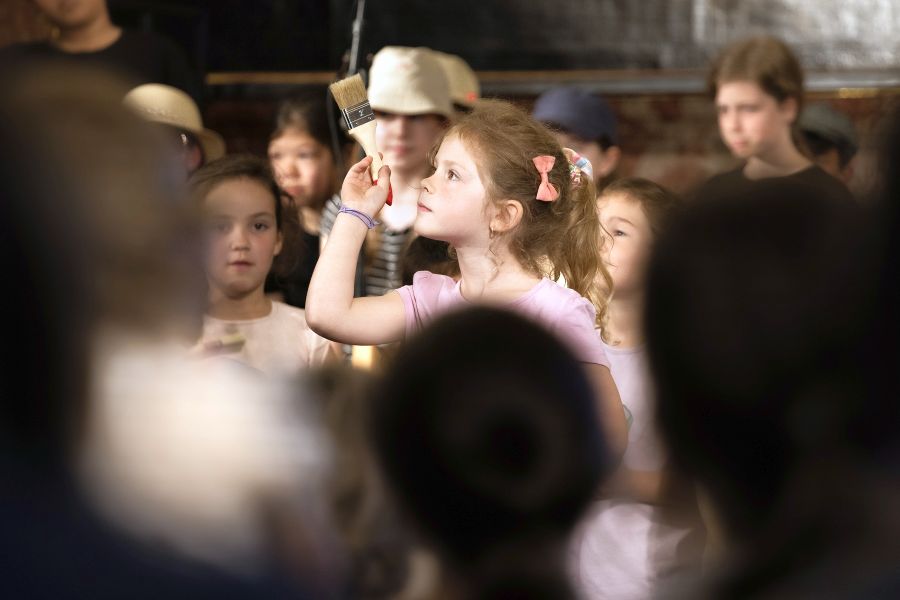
[431, 235]
[242, 289]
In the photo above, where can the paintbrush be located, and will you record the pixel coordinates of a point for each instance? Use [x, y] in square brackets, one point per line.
[350, 95]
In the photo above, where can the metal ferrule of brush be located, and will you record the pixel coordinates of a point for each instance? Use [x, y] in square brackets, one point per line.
[358, 114]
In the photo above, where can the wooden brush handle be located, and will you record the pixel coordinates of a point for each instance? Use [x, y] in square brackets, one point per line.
[365, 135]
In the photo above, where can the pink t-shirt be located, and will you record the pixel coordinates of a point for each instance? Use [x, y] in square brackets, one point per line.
[563, 312]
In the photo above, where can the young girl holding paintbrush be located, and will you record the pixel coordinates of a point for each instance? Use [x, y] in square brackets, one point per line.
[518, 215]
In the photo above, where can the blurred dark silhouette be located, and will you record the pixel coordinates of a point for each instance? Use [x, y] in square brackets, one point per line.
[83, 35]
[96, 239]
[487, 434]
[376, 545]
[758, 316]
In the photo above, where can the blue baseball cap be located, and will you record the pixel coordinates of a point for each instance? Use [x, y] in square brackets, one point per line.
[577, 111]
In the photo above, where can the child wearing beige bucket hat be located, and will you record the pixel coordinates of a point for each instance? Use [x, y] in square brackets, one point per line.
[410, 96]
[177, 111]
[464, 87]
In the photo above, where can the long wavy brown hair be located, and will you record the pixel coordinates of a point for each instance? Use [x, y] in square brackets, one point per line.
[553, 239]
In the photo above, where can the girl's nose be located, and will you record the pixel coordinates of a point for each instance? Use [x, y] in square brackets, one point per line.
[426, 184]
[290, 168]
[239, 239]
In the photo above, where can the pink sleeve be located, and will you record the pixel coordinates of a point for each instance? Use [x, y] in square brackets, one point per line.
[408, 295]
[421, 299]
[576, 327]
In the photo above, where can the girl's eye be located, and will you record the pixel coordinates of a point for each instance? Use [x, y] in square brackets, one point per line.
[452, 175]
[618, 233]
[261, 226]
[218, 227]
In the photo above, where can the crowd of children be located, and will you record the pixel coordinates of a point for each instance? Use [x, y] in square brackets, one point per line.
[599, 389]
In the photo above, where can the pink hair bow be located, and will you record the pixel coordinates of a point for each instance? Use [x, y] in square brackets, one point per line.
[546, 191]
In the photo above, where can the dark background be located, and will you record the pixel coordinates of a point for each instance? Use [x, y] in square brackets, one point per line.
[312, 35]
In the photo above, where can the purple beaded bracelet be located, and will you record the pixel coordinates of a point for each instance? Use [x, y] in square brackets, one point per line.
[369, 221]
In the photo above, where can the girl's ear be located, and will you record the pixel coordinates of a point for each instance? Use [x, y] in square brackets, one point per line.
[278, 244]
[507, 215]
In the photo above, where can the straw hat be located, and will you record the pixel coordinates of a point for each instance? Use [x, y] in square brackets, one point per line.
[464, 87]
[167, 105]
[409, 81]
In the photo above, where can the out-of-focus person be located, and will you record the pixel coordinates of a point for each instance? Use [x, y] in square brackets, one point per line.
[245, 230]
[84, 34]
[495, 467]
[584, 122]
[300, 152]
[646, 529]
[831, 138]
[757, 86]
[129, 469]
[758, 324]
[465, 90]
[411, 98]
[179, 119]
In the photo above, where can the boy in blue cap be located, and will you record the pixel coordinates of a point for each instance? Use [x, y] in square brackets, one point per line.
[585, 123]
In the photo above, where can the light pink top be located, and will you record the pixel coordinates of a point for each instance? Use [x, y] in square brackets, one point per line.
[563, 312]
[624, 549]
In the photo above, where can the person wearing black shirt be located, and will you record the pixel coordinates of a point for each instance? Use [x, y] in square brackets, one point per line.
[757, 85]
[84, 33]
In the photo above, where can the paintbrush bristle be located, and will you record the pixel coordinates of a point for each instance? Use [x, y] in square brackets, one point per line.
[349, 92]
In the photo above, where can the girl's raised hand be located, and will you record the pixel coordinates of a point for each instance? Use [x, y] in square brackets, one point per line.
[359, 193]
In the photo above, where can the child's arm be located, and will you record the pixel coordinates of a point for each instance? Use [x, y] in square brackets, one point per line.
[331, 309]
[609, 408]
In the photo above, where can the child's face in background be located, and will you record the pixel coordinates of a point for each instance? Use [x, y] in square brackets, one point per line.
[627, 242]
[241, 237]
[452, 201]
[405, 140]
[303, 167]
[751, 122]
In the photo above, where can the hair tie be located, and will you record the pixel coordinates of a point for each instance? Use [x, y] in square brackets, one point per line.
[546, 191]
[578, 165]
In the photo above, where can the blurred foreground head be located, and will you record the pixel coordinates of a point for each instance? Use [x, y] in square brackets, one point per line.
[96, 236]
[104, 420]
[755, 319]
[487, 434]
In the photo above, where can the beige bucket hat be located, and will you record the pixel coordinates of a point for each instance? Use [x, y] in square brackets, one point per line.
[409, 81]
[167, 105]
[464, 87]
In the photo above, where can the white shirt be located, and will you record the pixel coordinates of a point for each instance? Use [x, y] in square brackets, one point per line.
[281, 343]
